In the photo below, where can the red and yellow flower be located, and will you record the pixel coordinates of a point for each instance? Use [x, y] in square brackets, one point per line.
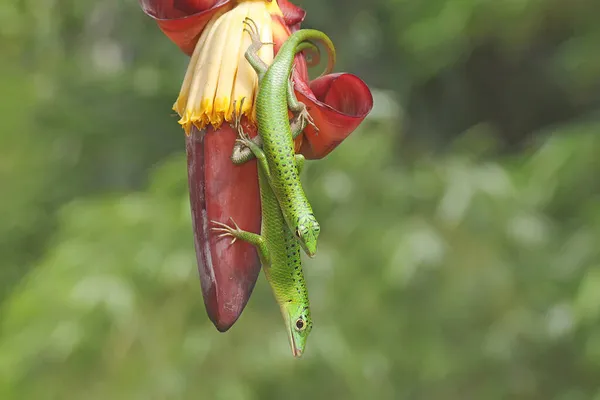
[211, 33]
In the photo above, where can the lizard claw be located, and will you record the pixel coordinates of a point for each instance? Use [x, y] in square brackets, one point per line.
[252, 28]
[234, 224]
[242, 139]
[304, 115]
[226, 230]
[236, 115]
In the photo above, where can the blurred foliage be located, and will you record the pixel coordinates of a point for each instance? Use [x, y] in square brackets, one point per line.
[459, 256]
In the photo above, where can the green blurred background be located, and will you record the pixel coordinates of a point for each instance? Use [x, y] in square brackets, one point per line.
[460, 251]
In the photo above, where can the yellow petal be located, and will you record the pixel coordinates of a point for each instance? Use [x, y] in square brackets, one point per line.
[218, 73]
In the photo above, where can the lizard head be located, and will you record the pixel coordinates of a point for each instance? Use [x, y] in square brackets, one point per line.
[298, 325]
[307, 233]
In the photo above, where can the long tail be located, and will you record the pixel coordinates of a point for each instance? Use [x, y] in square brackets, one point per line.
[307, 39]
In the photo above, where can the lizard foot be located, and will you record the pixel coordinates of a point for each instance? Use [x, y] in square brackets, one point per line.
[244, 139]
[305, 116]
[252, 29]
[226, 230]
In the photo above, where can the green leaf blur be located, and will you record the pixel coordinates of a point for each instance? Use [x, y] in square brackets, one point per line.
[459, 256]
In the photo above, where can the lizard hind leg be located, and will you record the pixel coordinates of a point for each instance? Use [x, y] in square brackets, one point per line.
[255, 149]
[252, 52]
[245, 148]
[241, 153]
[302, 116]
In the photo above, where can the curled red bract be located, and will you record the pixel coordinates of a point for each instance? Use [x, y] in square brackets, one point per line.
[183, 20]
[340, 103]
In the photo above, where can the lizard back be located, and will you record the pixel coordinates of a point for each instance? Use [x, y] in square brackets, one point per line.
[285, 270]
[275, 131]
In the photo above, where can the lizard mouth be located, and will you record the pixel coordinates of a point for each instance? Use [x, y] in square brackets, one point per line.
[309, 252]
[296, 350]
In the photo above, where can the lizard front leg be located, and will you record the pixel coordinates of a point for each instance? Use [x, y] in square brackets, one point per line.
[236, 233]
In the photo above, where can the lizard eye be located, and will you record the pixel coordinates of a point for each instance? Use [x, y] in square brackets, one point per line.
[298, 233]
[300, 325]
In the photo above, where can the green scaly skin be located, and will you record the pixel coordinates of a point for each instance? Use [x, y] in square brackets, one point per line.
[275, 94]
[279, 253]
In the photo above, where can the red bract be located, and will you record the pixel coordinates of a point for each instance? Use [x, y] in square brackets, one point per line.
[219, 190]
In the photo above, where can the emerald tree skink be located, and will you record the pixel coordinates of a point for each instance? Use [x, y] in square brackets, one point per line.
[275, 94]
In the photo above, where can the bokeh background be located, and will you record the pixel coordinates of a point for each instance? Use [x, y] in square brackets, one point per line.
[460, 252]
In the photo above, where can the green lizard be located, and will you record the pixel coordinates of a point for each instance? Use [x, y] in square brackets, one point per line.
[275, 94]
[279, 253]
